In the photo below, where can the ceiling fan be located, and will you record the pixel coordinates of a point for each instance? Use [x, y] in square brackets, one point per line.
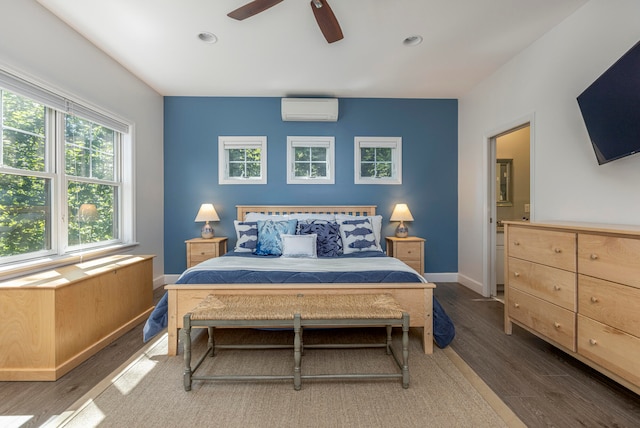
[324, 16]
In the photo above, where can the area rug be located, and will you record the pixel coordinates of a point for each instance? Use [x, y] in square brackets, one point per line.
[148, 390]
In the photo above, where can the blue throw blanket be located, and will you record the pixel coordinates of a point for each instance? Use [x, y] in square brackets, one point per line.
[443, 327]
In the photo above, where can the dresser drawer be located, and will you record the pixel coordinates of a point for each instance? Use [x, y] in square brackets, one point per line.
[548, 247]
[409, 251]
[549, 320]
[608, 257]
[610, 303]
[206, 251]
[612, 349]
[555, 285]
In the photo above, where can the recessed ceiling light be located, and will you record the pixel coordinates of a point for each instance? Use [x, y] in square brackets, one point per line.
[207, 37]
[412, 41]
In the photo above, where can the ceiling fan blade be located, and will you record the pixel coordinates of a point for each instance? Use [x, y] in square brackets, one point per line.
[253, 8]
[326, 20]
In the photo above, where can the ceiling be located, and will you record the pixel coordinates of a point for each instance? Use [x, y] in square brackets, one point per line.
[281, 51]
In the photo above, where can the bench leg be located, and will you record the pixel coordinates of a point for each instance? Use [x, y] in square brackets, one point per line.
[186, 340]
[297, 353]
[212, 342]
[389, 330]
[405, 350]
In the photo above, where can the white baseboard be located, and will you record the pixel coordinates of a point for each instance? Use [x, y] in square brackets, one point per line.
[159, 281]
[471, 284]
[170, 279]
[441, 277]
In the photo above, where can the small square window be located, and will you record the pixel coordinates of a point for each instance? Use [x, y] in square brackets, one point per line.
[242, 160]
[378, 160]
[310, 160]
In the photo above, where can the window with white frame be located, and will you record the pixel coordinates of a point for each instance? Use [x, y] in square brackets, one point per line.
[310, 160]
[242, 160]
[65, 176]
[378, 160]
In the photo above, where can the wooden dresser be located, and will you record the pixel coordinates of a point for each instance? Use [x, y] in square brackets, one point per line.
[54, 320]
[578, 287]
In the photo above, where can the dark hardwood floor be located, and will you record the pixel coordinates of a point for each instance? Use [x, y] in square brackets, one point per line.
[542, 385]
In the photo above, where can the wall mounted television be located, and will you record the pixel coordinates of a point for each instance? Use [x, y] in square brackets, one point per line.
[610, 107]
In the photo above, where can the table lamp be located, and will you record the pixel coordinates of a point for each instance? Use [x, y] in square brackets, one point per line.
[401, 213]
[87, 213]
[207, 213]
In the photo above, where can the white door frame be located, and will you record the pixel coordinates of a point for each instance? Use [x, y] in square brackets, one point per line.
[489, 232]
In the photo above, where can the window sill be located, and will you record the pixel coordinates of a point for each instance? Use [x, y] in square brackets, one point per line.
[25, 268]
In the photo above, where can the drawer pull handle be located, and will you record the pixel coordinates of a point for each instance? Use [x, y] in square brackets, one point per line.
[557, 250]
[516, 243]
[516, 274]
[202, 253]
[556, 324]
[556, 287]
[593, 342]
[517, 305]
[594, 299]
[594, 257]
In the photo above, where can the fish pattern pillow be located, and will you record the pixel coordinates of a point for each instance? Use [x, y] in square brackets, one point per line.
[358, 236]
[246, 236]
[269, 236]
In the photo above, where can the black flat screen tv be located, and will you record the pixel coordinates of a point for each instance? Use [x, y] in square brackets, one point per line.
[611, 109]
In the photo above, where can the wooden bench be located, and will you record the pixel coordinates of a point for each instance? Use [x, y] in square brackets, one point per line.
[297, 312]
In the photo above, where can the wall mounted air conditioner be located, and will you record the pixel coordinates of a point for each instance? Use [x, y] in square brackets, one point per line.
[310, 109]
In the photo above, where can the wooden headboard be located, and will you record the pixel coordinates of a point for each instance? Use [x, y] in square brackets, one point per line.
[305, 209]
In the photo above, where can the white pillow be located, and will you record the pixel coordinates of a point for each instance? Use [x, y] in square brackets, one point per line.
[376, 223]
[263, 217]
[299, 246]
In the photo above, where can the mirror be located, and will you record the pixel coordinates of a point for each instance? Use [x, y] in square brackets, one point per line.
[504, 196]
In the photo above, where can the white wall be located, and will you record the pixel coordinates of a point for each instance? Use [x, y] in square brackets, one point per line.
[542, 84]
[36, 43]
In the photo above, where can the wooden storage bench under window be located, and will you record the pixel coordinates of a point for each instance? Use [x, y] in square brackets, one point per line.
[52, 321]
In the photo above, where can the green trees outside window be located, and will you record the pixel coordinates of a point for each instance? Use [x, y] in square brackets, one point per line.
[245, 163]
[310, 162]
[43, 187]
[376, 162]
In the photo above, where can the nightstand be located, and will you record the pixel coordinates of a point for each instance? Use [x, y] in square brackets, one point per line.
[200, 249]
[410, 250]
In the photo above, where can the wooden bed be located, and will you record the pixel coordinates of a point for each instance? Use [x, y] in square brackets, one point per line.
[414, 297]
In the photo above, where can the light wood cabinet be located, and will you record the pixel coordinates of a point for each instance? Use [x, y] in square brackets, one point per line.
[410, 250]
[578, 287]
[54, 320]
[201, 249]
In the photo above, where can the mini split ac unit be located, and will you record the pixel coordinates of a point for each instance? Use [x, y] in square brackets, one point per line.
[310, 109]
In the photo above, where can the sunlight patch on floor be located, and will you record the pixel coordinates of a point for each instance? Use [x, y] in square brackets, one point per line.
[132, 376]
[14, 421]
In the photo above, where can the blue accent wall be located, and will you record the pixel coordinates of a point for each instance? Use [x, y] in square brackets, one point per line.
[429, 131]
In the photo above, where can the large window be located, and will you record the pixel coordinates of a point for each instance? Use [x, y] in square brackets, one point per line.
[62, 183]
[310, 160]
[242, 160]
[378, 160]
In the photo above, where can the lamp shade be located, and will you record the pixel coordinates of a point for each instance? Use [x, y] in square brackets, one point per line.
[87, 213]
[207, 213]
[401, 213]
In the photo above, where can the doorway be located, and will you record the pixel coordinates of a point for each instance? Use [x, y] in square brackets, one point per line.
[509, 194]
